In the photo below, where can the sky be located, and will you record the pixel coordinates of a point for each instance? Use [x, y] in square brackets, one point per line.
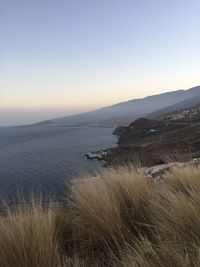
[60, 57]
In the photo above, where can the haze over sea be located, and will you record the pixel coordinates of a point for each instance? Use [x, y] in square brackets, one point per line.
[43, 159]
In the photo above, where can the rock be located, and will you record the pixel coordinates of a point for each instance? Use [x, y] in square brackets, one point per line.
[96, 155]
[158, 172]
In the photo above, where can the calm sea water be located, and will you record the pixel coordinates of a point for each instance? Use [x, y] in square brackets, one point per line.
[42, 159]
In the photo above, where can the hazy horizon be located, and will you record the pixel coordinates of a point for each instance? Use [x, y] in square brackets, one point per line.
[24, 117]
[66, 57]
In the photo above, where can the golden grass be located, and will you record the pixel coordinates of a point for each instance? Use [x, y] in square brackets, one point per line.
[114, 208]
[118, 219]
[185, 180]
[26, 237]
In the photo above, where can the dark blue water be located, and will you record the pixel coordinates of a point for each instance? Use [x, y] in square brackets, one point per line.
[42, 159]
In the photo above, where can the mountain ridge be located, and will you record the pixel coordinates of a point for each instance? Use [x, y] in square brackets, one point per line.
[127, 111]
[187, 103]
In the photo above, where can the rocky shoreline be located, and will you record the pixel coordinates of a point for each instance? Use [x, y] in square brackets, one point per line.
[98, 155]
[154, 173]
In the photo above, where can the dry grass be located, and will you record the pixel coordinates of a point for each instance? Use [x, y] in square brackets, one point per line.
[113, 210]
[26, 237]
[118, 219]
[186, 180]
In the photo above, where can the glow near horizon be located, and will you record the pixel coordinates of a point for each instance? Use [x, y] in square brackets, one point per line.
[70, 56]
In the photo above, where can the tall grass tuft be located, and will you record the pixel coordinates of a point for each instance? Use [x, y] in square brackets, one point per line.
[26, 237]
[111, 211]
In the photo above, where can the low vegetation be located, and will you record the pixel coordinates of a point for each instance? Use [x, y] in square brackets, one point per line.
[157, 141]
[116, 219]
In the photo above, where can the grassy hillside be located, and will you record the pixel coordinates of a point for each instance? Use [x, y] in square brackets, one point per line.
[117, 219]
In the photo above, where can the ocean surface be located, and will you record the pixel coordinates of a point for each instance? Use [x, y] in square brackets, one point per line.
[42, 159]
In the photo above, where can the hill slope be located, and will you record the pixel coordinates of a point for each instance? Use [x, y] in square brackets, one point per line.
[155, 141]
[126, 112]
[185, 104]
[191, 115]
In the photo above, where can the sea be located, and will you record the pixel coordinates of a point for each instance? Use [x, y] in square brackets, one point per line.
[42, 161]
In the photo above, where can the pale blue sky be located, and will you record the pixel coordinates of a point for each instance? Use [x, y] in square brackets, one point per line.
[65, 56]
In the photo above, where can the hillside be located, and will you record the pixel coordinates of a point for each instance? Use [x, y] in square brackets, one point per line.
[125, 112]
[185, 104]
[153, 142]
[144, 130]
[191, 115]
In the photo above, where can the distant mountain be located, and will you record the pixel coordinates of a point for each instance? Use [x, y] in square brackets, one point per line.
[128, 111]
[190, 115]
[185, 104]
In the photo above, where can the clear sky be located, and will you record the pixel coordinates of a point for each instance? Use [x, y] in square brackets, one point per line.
[59, 57]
